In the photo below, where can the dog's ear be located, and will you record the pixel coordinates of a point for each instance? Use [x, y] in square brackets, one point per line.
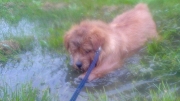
[97, 38]
[66, 40]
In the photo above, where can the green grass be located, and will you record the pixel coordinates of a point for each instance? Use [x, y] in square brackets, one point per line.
[25, 92]
[165, 54]
[164, 93]
[22, 92]
[54, 41]
[3, 58]
[25, 42]
[161, 92]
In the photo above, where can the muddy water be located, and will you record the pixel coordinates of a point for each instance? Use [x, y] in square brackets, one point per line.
[50, 70]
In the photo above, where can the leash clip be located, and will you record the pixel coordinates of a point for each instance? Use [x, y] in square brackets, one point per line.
[99, 49]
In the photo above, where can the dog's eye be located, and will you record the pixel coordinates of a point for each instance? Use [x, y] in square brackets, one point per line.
[88, 51]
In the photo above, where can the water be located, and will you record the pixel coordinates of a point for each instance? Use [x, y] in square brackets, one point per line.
[49, 71]
[23, 27]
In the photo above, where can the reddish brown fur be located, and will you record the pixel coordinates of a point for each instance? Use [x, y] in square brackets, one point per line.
[119, 39]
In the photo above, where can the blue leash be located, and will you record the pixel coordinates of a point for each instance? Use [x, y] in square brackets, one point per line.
[81, 85]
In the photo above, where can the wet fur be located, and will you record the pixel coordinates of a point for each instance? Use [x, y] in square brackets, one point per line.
[119, 39]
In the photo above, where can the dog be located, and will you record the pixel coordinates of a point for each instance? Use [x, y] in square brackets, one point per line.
[119, 39]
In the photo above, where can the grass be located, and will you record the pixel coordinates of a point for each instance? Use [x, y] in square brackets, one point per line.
[161, 92]
[23, 92]
[54, 41]
[164, 93]
[166, 53]
[25, 43]
[161, 58]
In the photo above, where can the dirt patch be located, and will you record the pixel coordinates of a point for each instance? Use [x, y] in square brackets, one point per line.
[113, 8]
[9, 46]
[51, 6]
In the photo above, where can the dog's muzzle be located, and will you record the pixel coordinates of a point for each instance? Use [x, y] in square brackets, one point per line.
[79, 64]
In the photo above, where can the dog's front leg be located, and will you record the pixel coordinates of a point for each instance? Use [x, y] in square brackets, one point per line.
[102, 69]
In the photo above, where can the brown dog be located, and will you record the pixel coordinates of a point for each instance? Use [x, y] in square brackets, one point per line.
[119, 39]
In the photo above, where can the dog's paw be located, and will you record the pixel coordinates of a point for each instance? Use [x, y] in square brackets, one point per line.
[90, 78]
[80, 77]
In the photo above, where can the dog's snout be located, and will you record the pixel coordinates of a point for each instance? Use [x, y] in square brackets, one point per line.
[79, 64]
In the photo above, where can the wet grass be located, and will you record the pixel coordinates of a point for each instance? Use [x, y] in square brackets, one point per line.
[161, 59]
[25, 43]
[165, 54]
[3, 58]
[164, 93]
[23, 92]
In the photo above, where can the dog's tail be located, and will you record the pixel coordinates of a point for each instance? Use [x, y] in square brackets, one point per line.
[142, 6]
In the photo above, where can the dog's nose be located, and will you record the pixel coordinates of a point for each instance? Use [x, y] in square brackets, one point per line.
[79, 64]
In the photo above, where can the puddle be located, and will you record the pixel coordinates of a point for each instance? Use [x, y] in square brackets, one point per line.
[44, 70]
[23, 27]
[49, 70]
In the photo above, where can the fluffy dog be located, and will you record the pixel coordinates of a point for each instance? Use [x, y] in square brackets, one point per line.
[119, 39]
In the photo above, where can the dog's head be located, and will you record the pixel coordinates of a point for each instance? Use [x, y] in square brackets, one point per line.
[83, 40]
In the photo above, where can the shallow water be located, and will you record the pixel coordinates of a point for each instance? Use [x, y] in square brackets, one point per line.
[22, 28]
[50, 70]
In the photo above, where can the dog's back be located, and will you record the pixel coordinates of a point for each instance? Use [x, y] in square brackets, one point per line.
[135, 27]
